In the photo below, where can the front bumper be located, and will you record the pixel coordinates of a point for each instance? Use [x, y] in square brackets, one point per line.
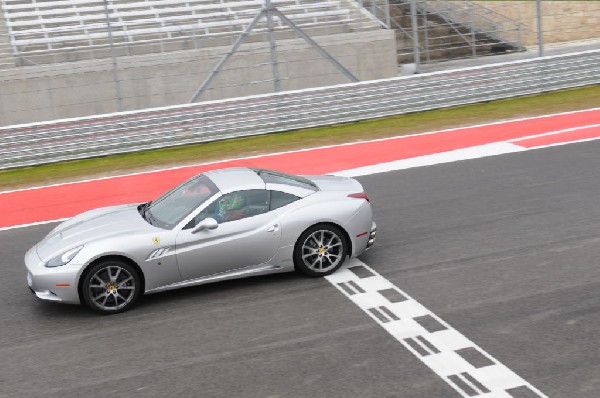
[52, 284]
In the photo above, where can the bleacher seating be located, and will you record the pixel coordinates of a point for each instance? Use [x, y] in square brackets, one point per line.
[54, 27]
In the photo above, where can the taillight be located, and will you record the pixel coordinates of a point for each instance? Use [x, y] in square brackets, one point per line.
[360, 195]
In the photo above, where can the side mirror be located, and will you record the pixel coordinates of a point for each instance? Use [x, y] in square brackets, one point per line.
[207, 223]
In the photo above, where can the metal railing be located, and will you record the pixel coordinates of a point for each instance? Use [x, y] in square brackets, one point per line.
[70, 139]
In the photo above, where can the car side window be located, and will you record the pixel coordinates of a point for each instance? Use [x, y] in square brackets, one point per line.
[235, 206]
[280, 199]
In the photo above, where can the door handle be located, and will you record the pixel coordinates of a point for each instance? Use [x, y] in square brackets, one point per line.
[273, 228]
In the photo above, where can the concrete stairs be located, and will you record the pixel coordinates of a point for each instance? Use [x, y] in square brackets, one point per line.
[440, 39]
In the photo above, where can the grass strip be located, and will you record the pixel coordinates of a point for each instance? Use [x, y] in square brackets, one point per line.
[555, 102]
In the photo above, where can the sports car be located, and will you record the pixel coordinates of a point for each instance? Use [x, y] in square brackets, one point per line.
[222, 224]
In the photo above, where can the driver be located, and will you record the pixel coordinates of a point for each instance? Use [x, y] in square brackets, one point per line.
[231, 208]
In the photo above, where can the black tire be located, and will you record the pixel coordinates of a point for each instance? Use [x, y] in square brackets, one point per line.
[111, 287]
[314, 258]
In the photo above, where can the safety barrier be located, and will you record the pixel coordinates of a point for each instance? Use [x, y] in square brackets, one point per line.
[101, 135]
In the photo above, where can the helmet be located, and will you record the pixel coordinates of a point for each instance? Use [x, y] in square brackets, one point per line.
[234, 201]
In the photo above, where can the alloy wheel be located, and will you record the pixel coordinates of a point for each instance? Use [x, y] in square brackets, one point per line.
[111, 288]
[322, 251]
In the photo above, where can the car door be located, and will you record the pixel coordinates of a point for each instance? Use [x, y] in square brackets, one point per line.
[245, 236]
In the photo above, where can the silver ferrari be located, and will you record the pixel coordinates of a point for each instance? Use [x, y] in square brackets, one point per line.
[223, 224]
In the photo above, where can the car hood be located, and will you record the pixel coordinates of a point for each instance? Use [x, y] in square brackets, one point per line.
[90, 226]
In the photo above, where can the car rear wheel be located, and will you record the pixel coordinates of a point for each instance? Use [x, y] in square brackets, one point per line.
[320, 250]
[110, 287]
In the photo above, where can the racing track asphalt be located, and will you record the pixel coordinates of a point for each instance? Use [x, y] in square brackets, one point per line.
[505, 249]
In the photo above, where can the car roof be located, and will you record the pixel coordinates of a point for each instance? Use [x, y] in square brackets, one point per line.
[235, 179]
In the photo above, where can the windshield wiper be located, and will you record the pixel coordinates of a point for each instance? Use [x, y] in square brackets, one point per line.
[145, 212]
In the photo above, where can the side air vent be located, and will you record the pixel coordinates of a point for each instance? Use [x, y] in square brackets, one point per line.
[163, 251]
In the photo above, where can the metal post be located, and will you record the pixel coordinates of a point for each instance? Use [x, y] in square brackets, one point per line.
[374, 8]
[473, 41]
[426, 33]
[415, 33]
[114, 59]
[213, 73]
[388, 19]
[273, 46]
[519, 34]
[538, 5]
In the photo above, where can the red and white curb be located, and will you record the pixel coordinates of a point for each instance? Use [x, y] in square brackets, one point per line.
[461, 363]
[31, 206]
[527, 143]
[51, 203]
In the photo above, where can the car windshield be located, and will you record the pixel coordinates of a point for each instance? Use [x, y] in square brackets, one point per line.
[171, 208]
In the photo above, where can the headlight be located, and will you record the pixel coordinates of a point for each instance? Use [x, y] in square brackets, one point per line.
[64, 258]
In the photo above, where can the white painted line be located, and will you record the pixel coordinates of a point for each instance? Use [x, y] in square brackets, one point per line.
[32, 224]
[563, 143]
[554, 133]
[307, 149]
[428, 337]
[481, 151]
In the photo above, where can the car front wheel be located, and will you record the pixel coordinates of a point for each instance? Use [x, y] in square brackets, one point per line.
[320, 250]
[110, 287]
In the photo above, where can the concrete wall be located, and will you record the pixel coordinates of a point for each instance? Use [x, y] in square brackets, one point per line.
[562, 21]
[45, 92]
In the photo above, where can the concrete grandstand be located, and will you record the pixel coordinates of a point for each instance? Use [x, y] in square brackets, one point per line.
[42, 31]
[71, 58]
[57, 53]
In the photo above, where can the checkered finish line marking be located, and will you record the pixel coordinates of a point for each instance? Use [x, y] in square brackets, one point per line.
[462, 364]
